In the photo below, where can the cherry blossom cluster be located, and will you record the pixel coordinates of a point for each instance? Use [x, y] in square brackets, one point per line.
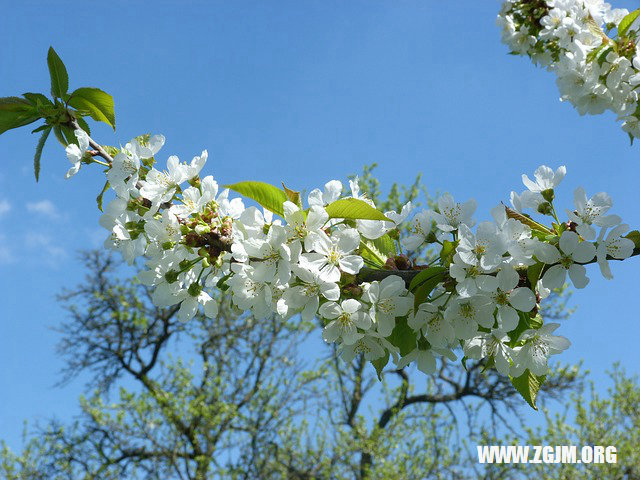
[454, 286]
[596, 71]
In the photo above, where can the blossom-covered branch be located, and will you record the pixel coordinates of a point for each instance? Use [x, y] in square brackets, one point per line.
[334, 256]
[592, 49]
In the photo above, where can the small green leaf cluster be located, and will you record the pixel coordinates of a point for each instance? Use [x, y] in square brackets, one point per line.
[62, 113]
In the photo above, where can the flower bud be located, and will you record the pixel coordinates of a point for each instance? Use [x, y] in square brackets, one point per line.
[548, 194]
[545, 208]
[403, 262]
[390, 264]
[171, 276]
[201, 229]
[194, 289]
[352, 290]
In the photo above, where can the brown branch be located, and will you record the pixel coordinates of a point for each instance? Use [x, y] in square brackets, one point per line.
[367, 274]
[95, 145]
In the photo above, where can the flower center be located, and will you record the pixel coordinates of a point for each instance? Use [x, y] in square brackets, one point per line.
[311, 290]
[333, 257]
[344, 319]
[361, 347]
[502, 298]
[386, 305]
[566, 262]
[467, 310]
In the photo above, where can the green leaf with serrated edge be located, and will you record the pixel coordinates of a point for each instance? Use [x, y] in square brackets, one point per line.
[84, 125]
[425, 275]
[527, 221]
[39, 147]
[267, 195]
[403, 337]
[533, 273]
[385, 245]
[524, 323]
[58, 133]
[422, 292]
[369, 252]
[292, 195]
[58, 73]
[69, 135]
[627, 21]
[95, 103]
[36, 99]
[380, 363]
[40, 128]
[634, 236]
[595, 52]
[16, 112]
[102, 192]
[355, 209]
[603, 56]
[528, 385]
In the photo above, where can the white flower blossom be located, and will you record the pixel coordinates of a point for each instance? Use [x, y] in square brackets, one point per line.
[75, 153]
[563, 261]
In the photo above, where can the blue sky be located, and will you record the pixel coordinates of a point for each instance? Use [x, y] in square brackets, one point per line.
[300, 92]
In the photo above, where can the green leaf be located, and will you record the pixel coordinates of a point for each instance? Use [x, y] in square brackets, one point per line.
[634, 236]
[102, 192]
[69, 135]
[385, 245]
[369, 252]
[528, 385]
[95, 103]
[524, 323]
[425, 275]
[40, 128]
[292, 195]
[595, 52]
[380, 363]
[39, 147]
[626, 22]
[403, 337]
[222, 283]
[265, 194]
[533, 273]
[16, 112]
[58, 73]
[528, 221]
[37, 99]
[57, 130]
[355, 209]
[603, 56]
[422, 292]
